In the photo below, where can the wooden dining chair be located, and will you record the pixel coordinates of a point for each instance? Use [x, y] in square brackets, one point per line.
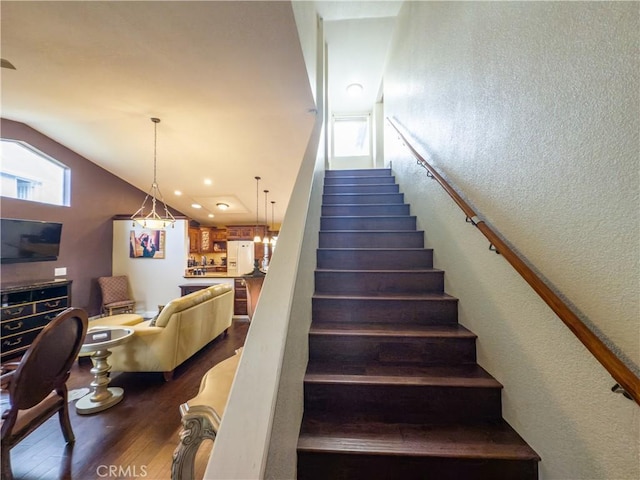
[116, 295]
[35, 389]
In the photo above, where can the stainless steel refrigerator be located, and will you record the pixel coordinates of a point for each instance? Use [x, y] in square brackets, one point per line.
[240, 256]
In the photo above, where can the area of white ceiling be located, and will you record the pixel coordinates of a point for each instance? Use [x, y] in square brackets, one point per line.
[356, 55]
[227, 80]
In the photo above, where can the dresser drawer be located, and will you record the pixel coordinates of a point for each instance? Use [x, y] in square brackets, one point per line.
[52, 304]
[16, 311]
[15, 298]
[18, 342]
[23, 324]
[53, 292]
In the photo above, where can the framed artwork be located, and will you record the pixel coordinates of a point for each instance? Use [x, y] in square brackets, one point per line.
[147, 244]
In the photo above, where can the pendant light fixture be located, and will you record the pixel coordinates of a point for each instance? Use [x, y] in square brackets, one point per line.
[265, 239]
[153, 220]
[256, 237]
[273, 231]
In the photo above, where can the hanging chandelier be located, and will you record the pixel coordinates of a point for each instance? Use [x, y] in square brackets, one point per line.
[153, 220]
[256, 237]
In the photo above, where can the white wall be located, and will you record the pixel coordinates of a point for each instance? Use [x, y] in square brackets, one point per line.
[258, 435]
[153, 281]
[532, 110]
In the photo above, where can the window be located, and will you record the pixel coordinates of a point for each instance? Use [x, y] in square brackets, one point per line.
[25, 189]
[28, 174]
[351, 137]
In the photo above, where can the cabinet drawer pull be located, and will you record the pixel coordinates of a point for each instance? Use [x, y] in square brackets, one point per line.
[16, 327]
[52, 304]
[14, 311]
[50, 317]
[7, 343]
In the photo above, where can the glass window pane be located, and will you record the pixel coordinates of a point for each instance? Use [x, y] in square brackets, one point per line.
[28, 174]
[351, 136]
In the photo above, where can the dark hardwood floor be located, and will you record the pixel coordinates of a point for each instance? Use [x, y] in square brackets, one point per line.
[134, 439]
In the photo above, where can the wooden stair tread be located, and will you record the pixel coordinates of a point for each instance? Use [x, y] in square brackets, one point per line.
[359, 217]
[438, 296]
[476, 441]
[390, 330]
[412, 230]
[372, 249]
[371, 205]
[379, 270]
[465, 376]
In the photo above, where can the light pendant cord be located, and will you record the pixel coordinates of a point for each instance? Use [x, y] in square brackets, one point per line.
[153, 219]
[266, 221]
[256, 237]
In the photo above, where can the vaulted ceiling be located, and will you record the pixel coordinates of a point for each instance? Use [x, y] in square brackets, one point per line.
[227, 80]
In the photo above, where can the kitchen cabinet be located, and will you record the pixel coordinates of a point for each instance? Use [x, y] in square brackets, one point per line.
[194, 240]
[27, 309]
[207, 240]
[240, 297]
[219, 234]
[240, 232]
[206, 245]
[192, 287]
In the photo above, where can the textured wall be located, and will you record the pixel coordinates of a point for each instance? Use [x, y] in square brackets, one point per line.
[85, 247]
[532, 110]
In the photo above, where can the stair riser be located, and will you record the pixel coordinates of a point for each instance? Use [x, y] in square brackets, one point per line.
[379, 180]
[421, 312]
[374, 350]
[366, 188]
[402, 403]
[362, 198]
[375, 259]
[359, 172]
[387, 239]
[346, 283]
[356, 466]
[368, 223]
[364, 210]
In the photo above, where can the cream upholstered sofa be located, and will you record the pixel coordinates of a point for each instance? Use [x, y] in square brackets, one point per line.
[201, 415]
[183, 327]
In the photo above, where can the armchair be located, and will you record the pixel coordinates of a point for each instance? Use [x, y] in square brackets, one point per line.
[37, 389]
[116, 295]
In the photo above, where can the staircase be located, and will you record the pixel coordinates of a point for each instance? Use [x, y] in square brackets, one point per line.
[392, 389]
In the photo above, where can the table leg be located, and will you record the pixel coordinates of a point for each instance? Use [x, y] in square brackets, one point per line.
[101, 396]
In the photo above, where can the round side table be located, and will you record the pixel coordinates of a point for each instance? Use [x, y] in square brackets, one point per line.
[99, 340]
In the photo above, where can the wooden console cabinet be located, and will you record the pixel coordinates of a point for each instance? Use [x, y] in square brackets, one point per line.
[26, 309]
[239, 294]
[240, 297]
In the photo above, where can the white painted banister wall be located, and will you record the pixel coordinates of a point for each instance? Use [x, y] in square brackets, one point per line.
[242, 444]
[266, 400]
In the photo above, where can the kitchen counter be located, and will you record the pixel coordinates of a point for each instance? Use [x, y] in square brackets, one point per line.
[212, 275]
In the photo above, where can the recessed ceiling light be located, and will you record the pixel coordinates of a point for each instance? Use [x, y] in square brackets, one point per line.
[211, 215]
[222, 206]
[354, 89]
[196, 205]
[177, 193]
[207, 181]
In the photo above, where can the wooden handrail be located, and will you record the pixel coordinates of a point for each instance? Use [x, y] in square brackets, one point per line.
[616, 368]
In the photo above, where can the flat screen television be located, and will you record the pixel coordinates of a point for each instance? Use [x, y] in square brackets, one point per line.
[29, 240]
